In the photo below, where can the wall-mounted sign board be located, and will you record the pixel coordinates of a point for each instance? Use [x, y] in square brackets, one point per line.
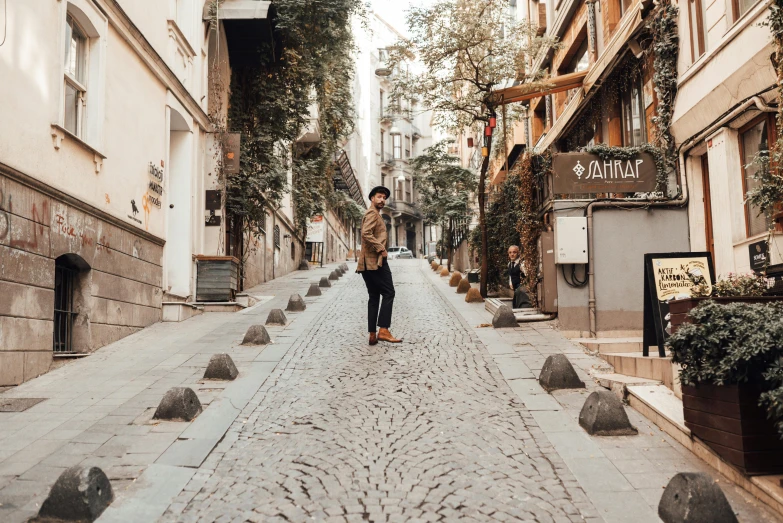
[584, 173]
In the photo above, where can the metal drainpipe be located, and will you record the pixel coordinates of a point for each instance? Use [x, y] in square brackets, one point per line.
[681, 201]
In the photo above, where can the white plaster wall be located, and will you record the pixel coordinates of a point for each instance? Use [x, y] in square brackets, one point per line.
[129, 116]
[735, 67]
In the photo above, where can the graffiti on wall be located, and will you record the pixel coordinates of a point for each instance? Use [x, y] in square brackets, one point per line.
[39, 213]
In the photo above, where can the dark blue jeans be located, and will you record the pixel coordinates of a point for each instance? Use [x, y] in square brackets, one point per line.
[379, 283]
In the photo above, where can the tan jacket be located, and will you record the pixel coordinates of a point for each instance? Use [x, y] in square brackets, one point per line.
[373, 241]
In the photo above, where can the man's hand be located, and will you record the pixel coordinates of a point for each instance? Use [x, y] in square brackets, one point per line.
[383, 253]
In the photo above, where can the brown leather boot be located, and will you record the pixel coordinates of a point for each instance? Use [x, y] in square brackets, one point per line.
[373, 339]
[385, 335]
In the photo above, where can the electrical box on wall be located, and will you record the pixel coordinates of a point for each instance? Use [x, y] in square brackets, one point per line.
[571, 240]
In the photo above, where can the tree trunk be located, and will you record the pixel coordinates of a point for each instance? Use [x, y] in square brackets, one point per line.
[483, 222]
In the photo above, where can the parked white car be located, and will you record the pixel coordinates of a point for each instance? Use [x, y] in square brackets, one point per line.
[399, 252]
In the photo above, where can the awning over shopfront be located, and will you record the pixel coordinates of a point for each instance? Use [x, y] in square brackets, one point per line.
[630, 24]
[238, 10]
[561, 121]
[528, 91]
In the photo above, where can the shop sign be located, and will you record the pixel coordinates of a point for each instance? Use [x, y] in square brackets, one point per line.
[231, 153]
[315, 229]
[584, 173]
[155, 185]
[758, 253]
[213, 209]
[670, 276]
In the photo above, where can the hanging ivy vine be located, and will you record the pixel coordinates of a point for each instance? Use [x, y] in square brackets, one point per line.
[512, 219]
[665, 48]
[309, 63]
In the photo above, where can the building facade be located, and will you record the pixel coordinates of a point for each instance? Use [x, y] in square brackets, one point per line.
[389, 134]
[108, 170]
[723, 118]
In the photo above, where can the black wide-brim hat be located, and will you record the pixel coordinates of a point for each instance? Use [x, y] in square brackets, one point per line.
[382, 189]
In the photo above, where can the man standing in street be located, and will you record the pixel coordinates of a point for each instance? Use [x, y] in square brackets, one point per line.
[515, 275]
[374, 268]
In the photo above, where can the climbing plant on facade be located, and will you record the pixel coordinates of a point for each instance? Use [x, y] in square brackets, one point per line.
[308, 65]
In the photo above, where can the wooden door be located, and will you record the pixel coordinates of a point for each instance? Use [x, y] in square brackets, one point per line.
[705, 183]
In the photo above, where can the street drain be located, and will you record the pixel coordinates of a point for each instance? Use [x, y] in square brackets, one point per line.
[18, 404]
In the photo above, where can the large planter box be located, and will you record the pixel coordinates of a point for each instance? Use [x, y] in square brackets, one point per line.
[730, 421]
[217, 278]
[679, 309]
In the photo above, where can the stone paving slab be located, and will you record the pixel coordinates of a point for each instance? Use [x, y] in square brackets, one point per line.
[624, 476]
[98, 409]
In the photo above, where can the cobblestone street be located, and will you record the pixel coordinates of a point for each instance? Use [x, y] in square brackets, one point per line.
[425, 430]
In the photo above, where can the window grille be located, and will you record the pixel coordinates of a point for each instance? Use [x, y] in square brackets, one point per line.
[277, 236]
[64, 279]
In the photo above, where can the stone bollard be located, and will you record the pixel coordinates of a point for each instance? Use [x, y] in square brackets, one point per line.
[324, 282]
[558, 373]
[464, 286]
[179, 404]
[504, 318]
[456, 277]
[314, 290]
[444, 272]
[434, 265]
[333, 276]
[304, 266]
[256, 335]
[79, 494]
[603, 414]
[296, 303]
[438, 268]
[693, 497]
[276, 317]
[221, 367]
[473, 296]
[345, 267]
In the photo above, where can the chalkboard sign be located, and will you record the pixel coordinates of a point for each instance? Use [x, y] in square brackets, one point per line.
[669, 276]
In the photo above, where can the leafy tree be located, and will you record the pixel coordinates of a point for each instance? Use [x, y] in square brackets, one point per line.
[467, 49]
[444, 189]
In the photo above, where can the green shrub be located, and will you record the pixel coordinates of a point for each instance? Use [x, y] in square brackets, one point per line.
[732, 344]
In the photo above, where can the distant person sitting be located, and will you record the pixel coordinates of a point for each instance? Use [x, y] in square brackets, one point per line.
[515, 275]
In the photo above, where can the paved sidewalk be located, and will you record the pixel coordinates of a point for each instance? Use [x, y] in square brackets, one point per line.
[98, 409]
[624, 476]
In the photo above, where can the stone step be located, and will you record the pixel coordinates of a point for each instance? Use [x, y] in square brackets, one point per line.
[661, 406]
[619, 383]
[176, 311]
[611, 345]
[651, 367]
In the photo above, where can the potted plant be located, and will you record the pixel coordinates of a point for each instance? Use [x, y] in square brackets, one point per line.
[735, 288]
[732, 381]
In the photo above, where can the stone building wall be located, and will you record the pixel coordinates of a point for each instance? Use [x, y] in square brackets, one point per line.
[117, 288]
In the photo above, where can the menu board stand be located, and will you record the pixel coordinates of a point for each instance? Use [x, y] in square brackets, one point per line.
[666, 277]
